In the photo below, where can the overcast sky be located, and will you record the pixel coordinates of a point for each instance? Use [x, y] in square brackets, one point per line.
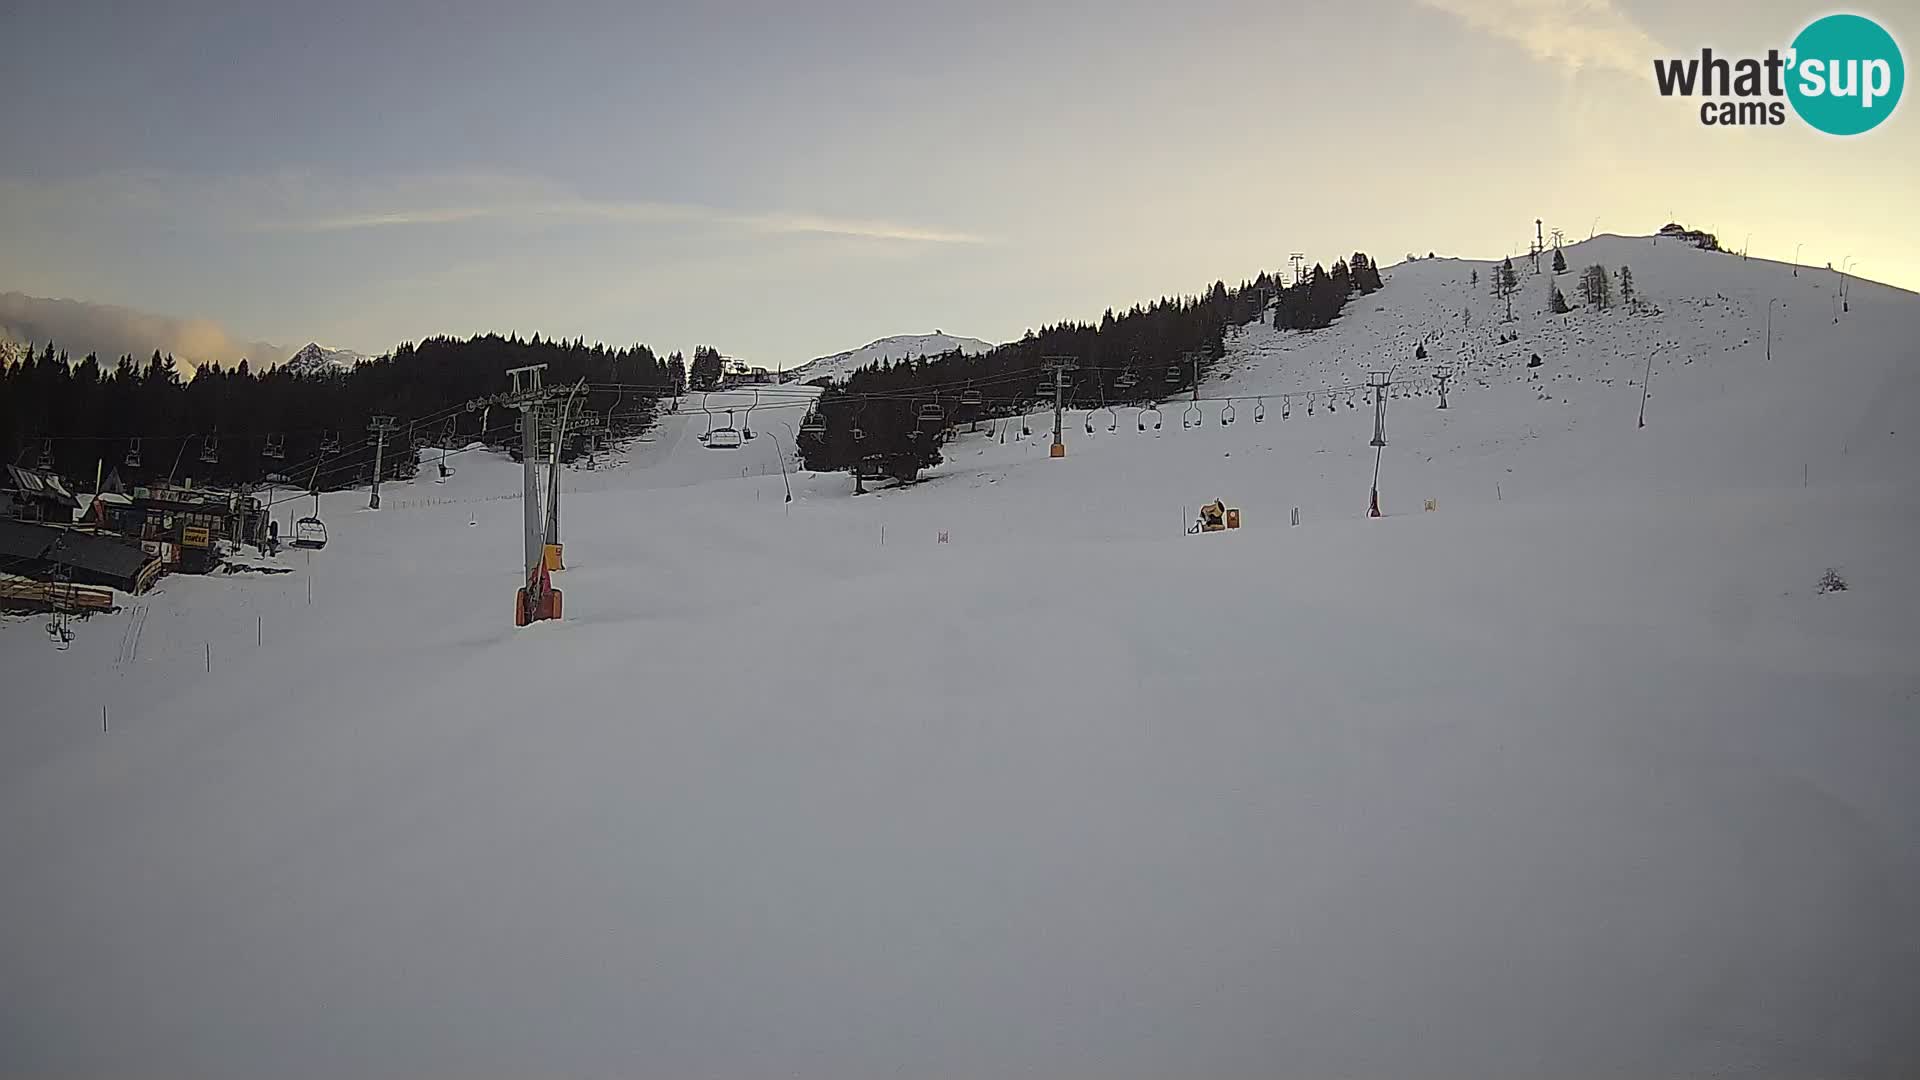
[784, 180]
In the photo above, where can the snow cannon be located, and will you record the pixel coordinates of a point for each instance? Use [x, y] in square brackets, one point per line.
[1216, 516]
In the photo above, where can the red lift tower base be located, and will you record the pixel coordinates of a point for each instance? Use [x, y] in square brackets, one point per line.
[536, 601]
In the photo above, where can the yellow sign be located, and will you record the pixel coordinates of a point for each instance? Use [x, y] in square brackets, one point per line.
[196, 536]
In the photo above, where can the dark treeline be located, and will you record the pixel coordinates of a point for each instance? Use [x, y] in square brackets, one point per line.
[159, 413]
[1316, 303]
[872, 420]
[707, 369]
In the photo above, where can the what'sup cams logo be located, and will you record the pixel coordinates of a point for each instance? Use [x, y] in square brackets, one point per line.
[1843, 75]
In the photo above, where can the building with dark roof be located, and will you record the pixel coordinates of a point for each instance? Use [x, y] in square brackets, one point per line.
[50, 553]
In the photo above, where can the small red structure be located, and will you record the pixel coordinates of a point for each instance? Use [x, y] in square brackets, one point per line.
[537, 599]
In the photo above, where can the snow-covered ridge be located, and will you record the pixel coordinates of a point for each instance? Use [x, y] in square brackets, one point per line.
[889, 350]
[315, 360]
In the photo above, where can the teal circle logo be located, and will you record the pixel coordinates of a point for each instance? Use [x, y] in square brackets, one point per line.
[1847, 74]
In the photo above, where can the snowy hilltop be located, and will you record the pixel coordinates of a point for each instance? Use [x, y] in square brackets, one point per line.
[314, 360]
[887, 350]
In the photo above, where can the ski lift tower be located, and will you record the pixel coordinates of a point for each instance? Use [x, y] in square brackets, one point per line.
[381, 426]
[1297, 258]
[1059, 365]
[1379, 381]
[537, 599]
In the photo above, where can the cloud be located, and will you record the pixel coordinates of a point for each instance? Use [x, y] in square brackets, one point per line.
[576, 211]
[300, 202]
[1581, 34]
[81, 327]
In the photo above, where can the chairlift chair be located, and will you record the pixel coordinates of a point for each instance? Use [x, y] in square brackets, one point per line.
[276, 446]
[46, 453]
[971, 398]
[1174, 373]
[210, 449]
[1191, 416]
[813, 425]
[1127, 380]
[133, 453]
[932, 413]
[1286, 406]
[309, 532]
[723, 438]
[1226, 414]
[1155, 410]
[330, 441]
[1260, 410]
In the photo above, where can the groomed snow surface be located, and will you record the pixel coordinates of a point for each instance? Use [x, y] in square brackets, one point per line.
[1577, 775]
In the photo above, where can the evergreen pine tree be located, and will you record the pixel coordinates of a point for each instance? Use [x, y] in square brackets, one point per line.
[1559, 262]
[1506, 282]
[1556, 302]
[1627, 294]
[1596, 288]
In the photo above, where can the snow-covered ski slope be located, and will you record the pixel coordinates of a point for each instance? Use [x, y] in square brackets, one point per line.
[1577, 774]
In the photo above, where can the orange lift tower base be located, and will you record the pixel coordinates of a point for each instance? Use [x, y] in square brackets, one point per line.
[536, 600]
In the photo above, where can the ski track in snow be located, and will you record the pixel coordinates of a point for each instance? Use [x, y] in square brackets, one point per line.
[1576, 774]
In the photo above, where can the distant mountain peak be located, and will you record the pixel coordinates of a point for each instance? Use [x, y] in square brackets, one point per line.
[316, 360]
[889, 350]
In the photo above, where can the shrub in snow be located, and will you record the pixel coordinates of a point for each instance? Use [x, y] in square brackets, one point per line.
[1831, 581]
